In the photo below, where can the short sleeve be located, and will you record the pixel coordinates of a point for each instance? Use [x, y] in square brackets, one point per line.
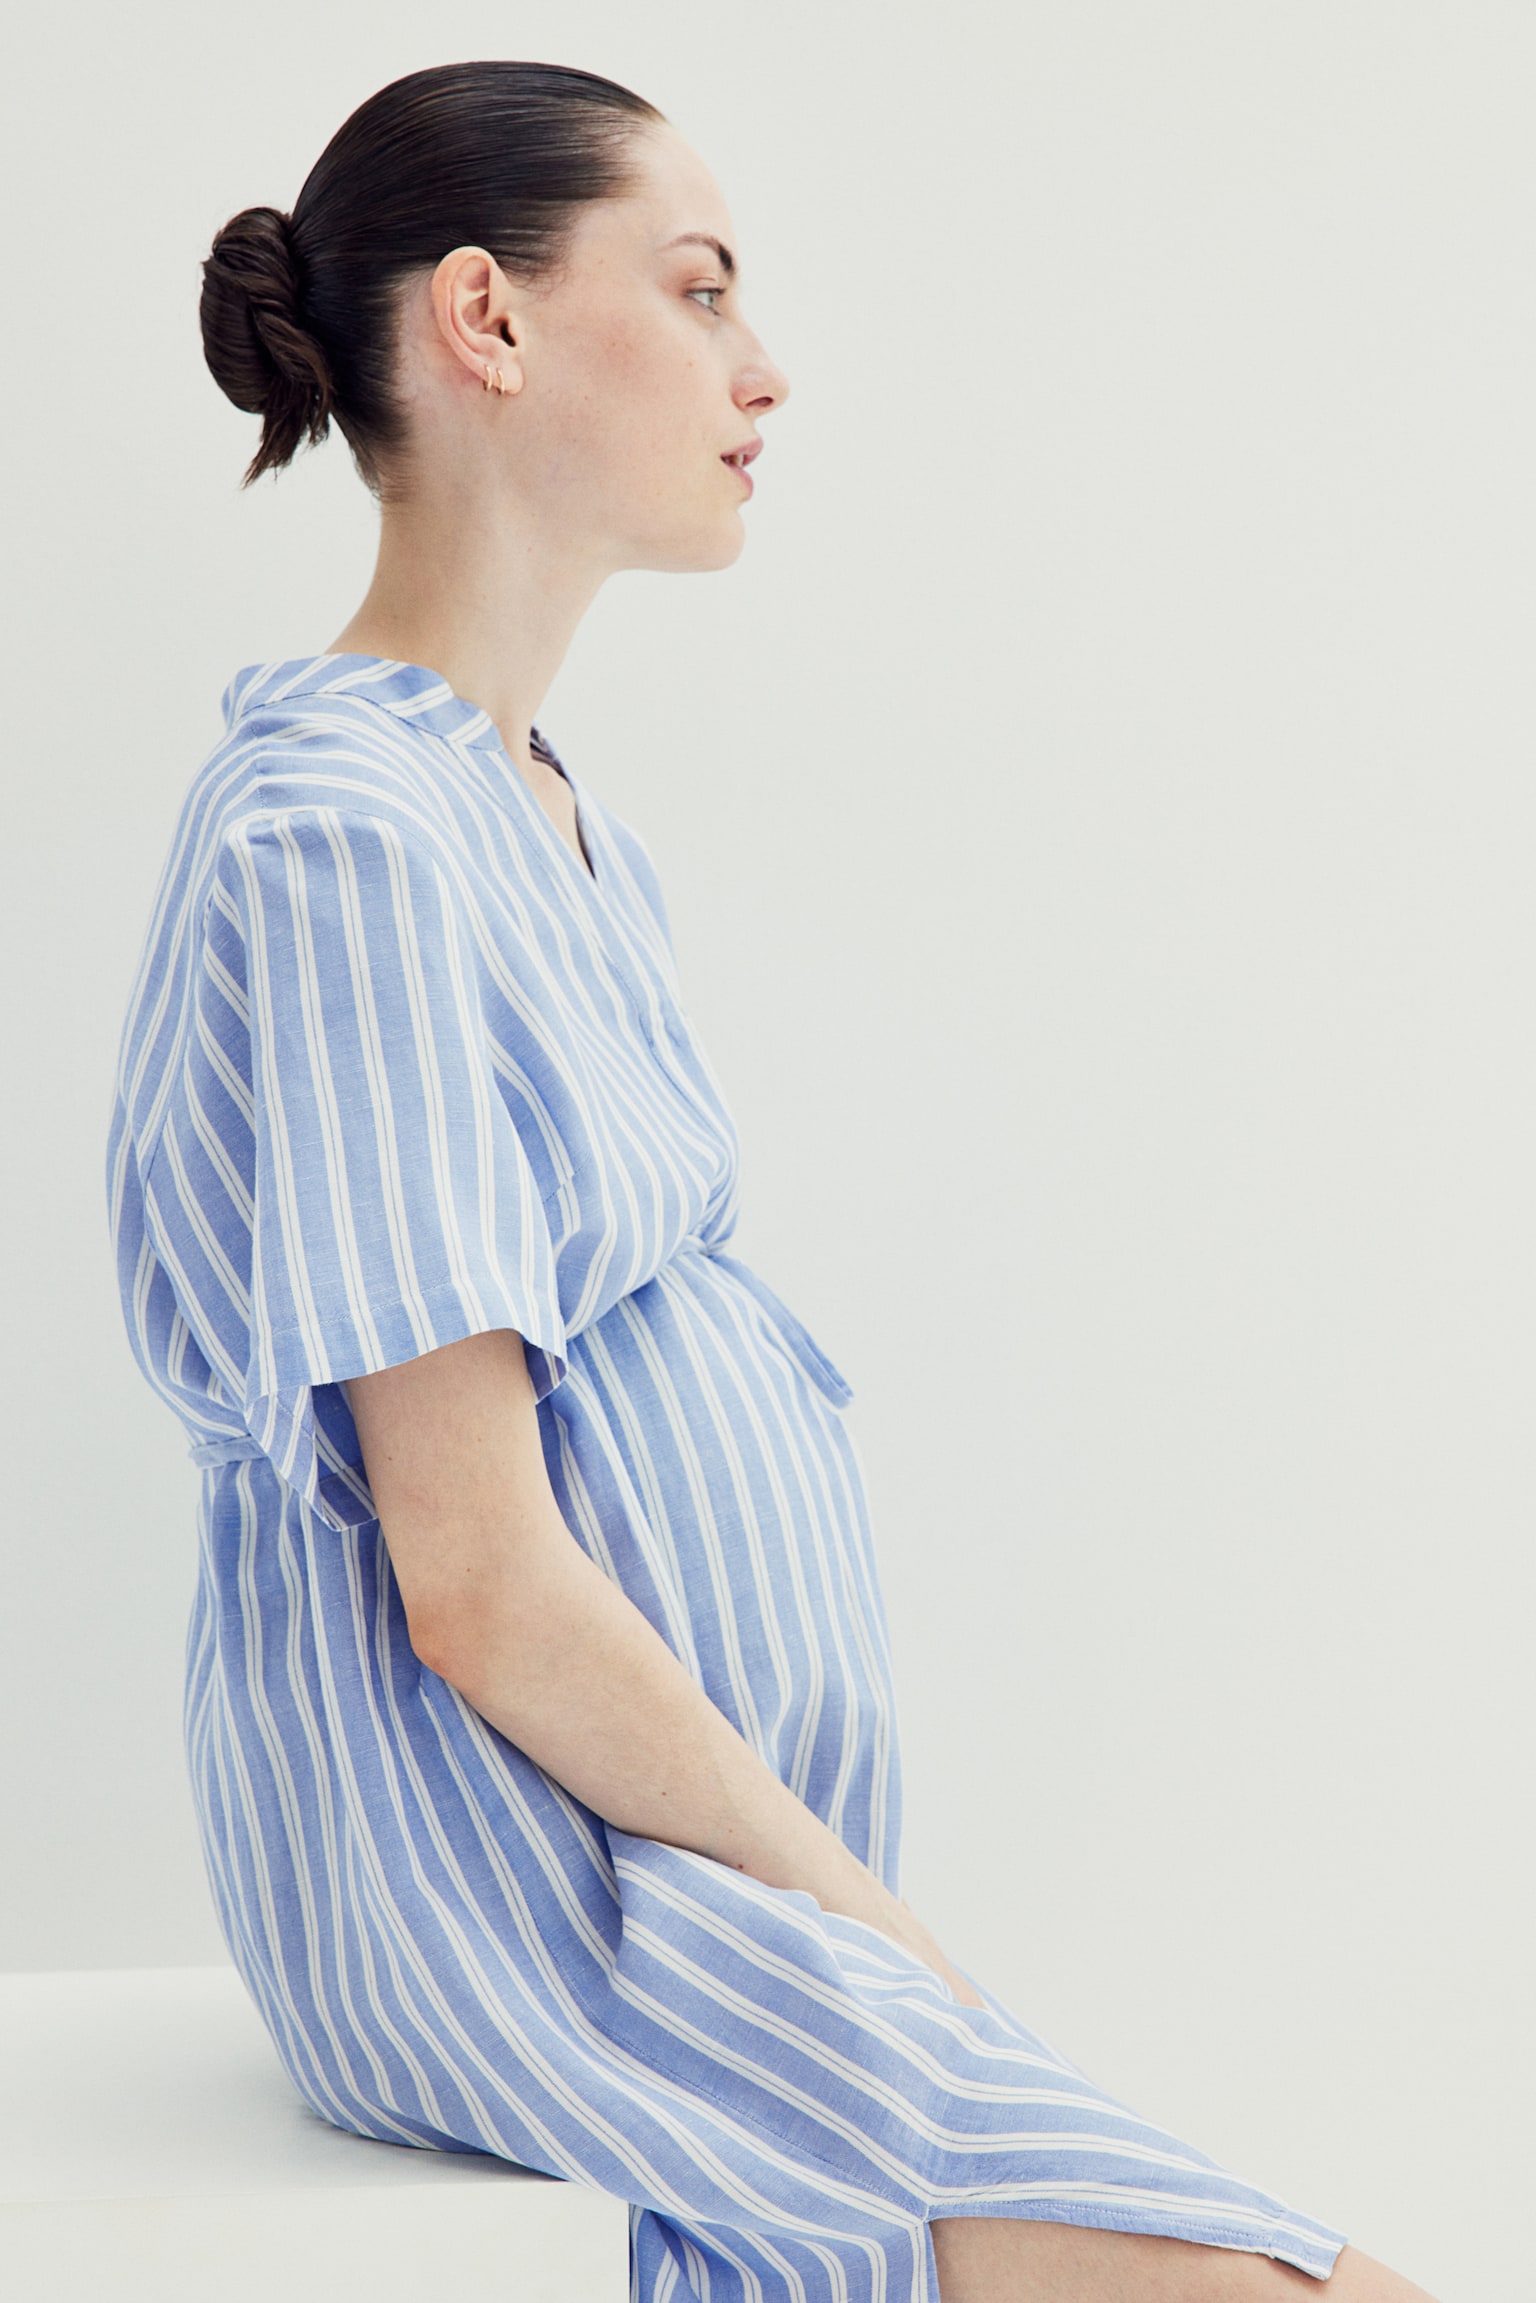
[394, 1207]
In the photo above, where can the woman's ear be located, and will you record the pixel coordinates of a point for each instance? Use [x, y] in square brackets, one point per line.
[475, 308]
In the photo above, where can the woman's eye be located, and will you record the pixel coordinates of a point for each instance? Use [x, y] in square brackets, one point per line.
[707, 292]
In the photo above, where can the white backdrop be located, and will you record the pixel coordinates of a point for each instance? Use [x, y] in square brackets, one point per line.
[1097, 817]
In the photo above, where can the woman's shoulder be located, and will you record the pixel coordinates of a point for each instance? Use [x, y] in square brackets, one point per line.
[327, 735]
[322, 732]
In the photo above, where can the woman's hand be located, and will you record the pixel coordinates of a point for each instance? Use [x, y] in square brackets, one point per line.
[502, 1602]
[913, 1936]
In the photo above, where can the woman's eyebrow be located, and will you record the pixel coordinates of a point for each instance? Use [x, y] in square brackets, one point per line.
[705, 240]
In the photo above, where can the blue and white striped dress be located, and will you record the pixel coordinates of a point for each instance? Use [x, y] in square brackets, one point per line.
[397, 1070]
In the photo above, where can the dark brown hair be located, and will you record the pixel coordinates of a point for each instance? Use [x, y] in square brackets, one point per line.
[299, 312]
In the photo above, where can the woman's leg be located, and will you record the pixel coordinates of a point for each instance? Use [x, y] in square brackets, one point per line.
[992, 2259]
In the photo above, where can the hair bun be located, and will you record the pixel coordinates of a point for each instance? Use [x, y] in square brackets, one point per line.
[258, 350]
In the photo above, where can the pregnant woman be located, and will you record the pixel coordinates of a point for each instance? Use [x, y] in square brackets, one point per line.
[539, 1706]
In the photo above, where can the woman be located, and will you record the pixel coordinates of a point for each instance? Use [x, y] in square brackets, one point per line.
[539, 1707]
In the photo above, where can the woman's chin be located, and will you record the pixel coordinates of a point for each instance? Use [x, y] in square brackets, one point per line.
[729, 545]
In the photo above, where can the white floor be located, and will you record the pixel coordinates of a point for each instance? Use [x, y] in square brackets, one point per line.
[152, 2151]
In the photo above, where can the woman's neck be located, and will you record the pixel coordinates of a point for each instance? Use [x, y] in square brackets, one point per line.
[475, 591]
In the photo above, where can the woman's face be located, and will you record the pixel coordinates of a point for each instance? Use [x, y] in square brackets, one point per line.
[639, 386]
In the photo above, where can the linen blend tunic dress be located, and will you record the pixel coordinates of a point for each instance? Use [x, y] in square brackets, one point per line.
[398, 1070]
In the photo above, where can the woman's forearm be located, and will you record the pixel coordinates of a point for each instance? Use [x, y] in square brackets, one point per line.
[566, 1666]
[570, 1671]
[507, 1607]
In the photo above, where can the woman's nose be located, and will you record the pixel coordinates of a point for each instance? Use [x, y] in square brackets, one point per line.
[760, 385]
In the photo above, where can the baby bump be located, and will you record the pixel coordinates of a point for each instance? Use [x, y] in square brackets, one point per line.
[698, 1456]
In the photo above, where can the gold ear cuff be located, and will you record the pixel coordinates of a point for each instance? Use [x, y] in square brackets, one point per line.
[495, 381]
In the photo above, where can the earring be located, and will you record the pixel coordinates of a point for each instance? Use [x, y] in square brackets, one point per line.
[490, 374]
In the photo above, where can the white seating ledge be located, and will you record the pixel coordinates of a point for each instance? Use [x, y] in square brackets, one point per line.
[152, 2150]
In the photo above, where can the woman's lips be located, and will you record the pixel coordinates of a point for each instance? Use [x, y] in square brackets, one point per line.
[740, 458]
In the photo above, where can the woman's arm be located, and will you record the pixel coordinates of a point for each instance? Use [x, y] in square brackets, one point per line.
[504, 1604]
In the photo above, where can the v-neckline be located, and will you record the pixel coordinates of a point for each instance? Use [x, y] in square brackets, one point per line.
[543, 749]
[422, 698]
